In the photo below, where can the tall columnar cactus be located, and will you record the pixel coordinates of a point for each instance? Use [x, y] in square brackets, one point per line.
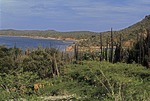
[62, 56]
[148, 61]
[117, 54]
[120, 46]
[76, 52]
[148, 38]
[137, 39]
[68, 59]
[140, 48]
[148, 44]
[136, 48]
[141, 51]
[27, 51]
[101, 48]
[111, 50]
[106, 50]
[55, 70]
[118, 51]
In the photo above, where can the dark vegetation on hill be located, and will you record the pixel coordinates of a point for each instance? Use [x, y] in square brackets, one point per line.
[129, 35]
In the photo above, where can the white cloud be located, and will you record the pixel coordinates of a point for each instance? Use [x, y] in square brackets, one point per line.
[81, 8]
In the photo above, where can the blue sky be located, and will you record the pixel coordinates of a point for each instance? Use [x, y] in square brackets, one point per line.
[71, 15]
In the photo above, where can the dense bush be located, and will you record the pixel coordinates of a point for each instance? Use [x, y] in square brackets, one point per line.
[19, 72]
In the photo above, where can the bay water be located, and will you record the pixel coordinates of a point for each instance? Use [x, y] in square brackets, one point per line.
[31, 43]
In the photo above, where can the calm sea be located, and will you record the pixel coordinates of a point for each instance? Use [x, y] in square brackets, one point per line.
[31, 43]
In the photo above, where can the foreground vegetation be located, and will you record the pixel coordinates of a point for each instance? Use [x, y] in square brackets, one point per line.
[104, 75]
[47, 74]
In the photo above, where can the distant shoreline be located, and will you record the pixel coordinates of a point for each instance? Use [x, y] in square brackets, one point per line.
[39, 37]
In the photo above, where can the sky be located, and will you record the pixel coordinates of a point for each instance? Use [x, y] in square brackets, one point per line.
[71, 15]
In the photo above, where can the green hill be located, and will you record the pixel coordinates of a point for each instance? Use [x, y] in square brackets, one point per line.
[48, 33]
[143, 23]
[129, 34]
[133, 30]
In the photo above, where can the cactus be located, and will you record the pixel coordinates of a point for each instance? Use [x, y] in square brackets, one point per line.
[148, 44]
[141, 49]
[101, 48]
[106, 50]
[118, 51]
[68, 59]
[27, 51]
[111, 50]
[120, 46]
[148, 62]
[55, 70]
[136, 50]
[116, 56]
[76, 52]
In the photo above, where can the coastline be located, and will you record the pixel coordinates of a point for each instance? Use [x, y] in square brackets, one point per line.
[69, 48]
[33, 37]
[49, 38]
